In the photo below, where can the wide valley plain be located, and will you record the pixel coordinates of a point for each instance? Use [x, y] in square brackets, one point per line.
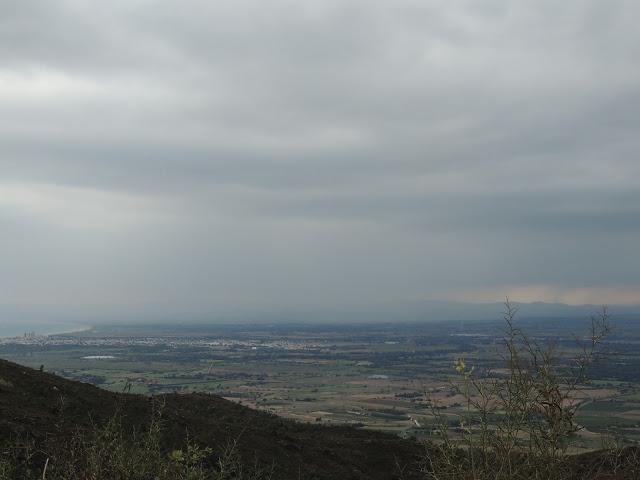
[391, 377]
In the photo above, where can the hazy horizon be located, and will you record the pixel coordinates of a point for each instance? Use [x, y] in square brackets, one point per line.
[18, 323]
[201, 159]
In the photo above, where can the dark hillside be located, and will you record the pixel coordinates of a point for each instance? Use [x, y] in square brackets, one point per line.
[50, 408]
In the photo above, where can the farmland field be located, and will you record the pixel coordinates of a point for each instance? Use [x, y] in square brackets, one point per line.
[376, 376]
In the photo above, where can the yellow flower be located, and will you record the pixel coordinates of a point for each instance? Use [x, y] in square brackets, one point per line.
[459, 365]
[177, 456]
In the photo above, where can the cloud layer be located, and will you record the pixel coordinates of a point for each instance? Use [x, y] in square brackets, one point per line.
[191, 158]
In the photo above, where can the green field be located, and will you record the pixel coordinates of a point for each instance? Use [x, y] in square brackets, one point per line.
[382, 377]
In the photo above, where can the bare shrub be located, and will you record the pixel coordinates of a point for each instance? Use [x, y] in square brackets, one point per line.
[518, 423]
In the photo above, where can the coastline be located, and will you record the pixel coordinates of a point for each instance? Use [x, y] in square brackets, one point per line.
[69, 331]
[18, 331]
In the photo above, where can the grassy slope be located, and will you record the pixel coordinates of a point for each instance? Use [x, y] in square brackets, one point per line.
[47, 406]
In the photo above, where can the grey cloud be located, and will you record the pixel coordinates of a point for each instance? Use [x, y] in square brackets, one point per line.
[190, 156]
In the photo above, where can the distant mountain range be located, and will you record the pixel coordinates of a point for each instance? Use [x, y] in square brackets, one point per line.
[15, 321]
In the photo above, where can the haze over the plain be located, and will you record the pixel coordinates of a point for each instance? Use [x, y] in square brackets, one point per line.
[196, 158]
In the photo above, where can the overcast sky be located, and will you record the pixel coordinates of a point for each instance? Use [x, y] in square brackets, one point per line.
[196, 157]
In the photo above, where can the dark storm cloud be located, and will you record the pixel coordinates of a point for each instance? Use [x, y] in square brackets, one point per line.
[190, 156]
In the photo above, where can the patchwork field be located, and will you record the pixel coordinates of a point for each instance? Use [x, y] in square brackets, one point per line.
[386, 377]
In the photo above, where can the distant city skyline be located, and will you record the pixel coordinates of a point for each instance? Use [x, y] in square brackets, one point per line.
[192, 159]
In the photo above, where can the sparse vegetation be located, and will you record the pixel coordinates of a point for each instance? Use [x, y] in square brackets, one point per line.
[68, 430]
[519, 421]
[110, 452]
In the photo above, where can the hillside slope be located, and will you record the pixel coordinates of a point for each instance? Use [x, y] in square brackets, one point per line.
[48, 407]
